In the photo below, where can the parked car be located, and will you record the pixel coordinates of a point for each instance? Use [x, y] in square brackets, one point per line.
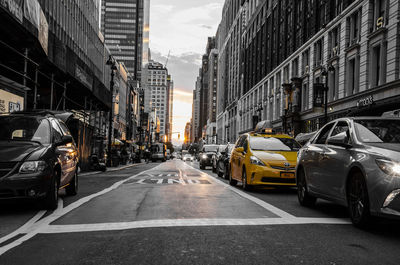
[206, 154]
[216, 156]
[264, 158]
[354, 162]
[158, 152]
[38, 157]
[223, 161]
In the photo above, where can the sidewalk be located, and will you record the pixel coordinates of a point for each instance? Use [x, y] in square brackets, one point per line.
[110, 169]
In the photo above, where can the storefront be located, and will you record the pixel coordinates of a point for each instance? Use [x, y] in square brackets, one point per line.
[11, 96]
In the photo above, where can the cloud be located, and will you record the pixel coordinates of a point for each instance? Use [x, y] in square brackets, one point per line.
[183, 68]
[206, 26]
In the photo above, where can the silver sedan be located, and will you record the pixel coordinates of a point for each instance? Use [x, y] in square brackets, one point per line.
[354, 162]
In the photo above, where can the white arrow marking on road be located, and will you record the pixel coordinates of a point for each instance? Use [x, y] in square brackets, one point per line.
[158, 181]
[140, 181]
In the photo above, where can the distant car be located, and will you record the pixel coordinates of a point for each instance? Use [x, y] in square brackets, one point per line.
[223, 165]
[38, 156]
[188, 157]
[206, 154]
[158, 152]
[216, 156]
[354, 162]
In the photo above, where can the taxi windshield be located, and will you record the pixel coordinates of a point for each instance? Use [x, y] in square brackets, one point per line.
[273, 144]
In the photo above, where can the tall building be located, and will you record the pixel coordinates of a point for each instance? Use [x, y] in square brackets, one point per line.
[229, 41]
[294, 51]
[211, 132]
[55, 59]
[122, 27]
[170, 108]
[196, 110]
[146, 33]
[157, 96]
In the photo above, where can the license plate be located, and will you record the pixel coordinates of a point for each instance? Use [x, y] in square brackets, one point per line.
[287, 175]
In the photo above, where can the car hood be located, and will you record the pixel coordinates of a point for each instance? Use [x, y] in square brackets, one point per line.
[276, 157]
[15, 152]
[391, 151]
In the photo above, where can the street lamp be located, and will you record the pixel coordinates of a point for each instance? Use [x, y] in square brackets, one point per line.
[111, 62]
[151, 131]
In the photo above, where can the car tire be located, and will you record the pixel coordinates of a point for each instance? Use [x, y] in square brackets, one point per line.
[72, 188]
[358, 201]
[232, 182]
[245, 185]
[304, 197]
[202, 166]
[227, 173]
[219, 173]
[214, 170]
[51, 199]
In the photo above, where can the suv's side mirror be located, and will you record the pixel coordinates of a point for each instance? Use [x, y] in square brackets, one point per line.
[240, 150]
[66, 139]
[340, 139]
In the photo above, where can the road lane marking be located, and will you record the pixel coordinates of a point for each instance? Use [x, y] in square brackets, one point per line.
[265, 205]
[44, 223]
[23, 228]
[76, 228]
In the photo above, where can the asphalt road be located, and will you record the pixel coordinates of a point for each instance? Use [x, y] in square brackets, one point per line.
[173, 213]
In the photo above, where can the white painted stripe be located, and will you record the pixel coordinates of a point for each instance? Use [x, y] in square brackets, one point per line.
[43, 224]
[187, 223]
[109, 170]
[23, 228]
[262, 203]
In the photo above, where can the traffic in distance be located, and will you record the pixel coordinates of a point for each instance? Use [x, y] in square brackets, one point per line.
[352, 162]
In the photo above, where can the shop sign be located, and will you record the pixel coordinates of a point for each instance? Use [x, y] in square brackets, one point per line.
[10, 102]
[364, 102]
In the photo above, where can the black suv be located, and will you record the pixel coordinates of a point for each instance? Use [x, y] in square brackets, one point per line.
[38, 157]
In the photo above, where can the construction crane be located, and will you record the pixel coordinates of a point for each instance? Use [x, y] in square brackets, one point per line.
[169, 52]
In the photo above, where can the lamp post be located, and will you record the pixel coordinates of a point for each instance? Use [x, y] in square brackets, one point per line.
[324, 73]
[151, 131]
[112, 64]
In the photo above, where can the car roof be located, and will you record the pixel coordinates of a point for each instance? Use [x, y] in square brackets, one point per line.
[270, 135]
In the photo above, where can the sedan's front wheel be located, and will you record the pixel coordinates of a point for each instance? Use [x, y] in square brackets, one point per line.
[305, 199]
[358, 201]
[51, 199]
[232, 181]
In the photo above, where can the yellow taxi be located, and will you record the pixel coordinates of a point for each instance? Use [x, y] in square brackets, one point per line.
[264, 158]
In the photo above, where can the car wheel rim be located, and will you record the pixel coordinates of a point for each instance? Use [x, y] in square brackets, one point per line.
[301, 188]
[357, 199]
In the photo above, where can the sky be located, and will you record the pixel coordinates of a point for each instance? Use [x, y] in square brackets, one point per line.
[181, 28]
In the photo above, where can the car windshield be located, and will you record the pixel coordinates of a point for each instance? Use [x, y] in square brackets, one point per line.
[378, 131]
[210, 148]
[28, 129]
[273, 144]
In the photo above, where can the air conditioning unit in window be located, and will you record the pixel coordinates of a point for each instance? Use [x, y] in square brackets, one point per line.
[335, 51]
[380, 22]
[306, 69]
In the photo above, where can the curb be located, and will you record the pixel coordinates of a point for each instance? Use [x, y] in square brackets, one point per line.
[110, 170]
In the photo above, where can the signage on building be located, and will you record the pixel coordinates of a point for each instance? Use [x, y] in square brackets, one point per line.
[10, 102]
[14, 7]
[364, 102]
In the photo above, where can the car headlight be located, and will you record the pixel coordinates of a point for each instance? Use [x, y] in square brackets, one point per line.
[204, 156]
[255, 161]
[389, 167]
[32, 167]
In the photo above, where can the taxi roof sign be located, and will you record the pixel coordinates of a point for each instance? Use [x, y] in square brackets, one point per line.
[264, 127]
